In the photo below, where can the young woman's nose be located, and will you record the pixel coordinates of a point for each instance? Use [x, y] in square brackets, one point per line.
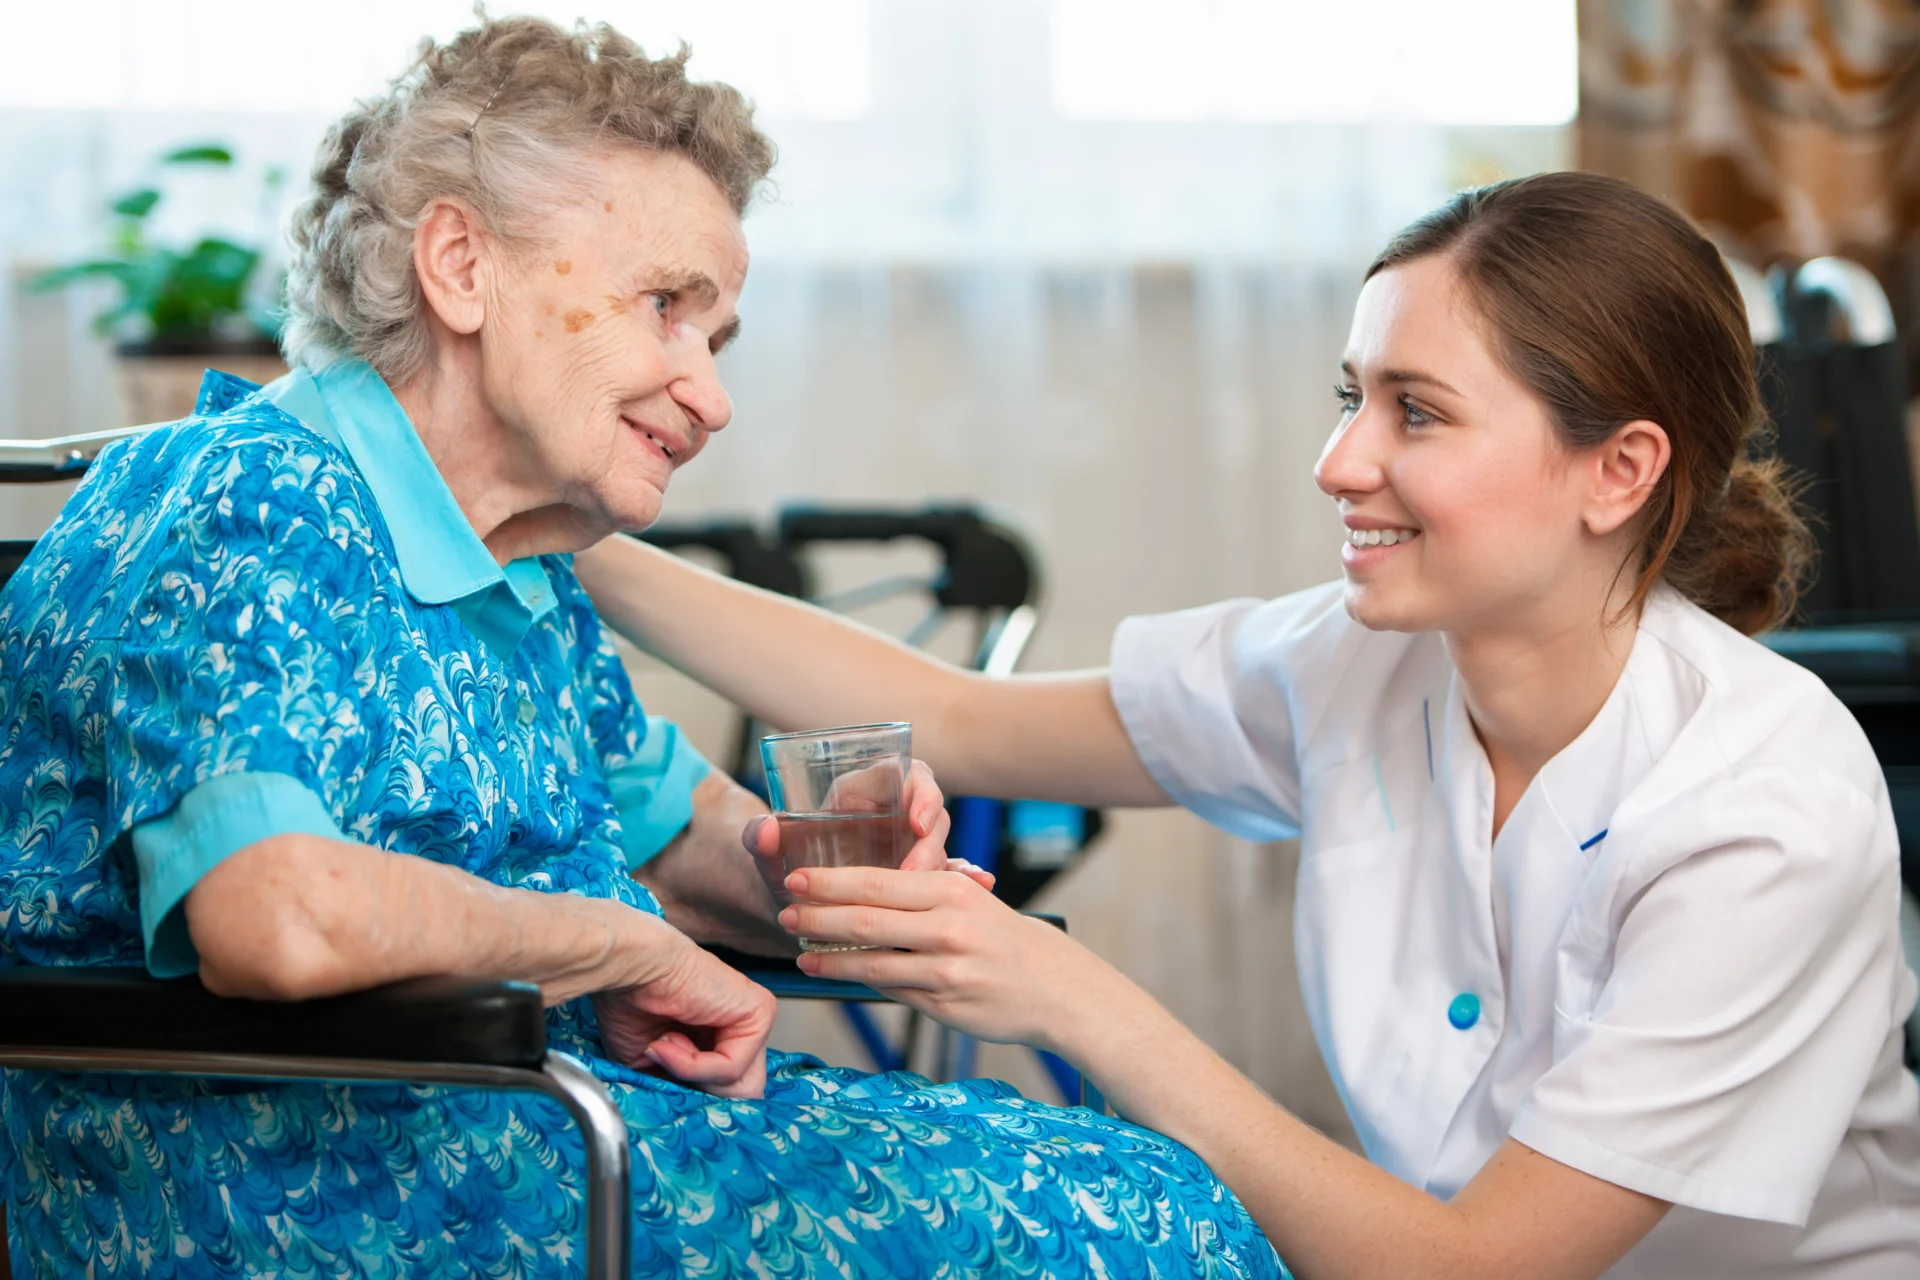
[1351, 461]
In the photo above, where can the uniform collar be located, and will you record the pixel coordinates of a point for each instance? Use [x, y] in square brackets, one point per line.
[1584, 783]
[1589, 778]
[441, 558]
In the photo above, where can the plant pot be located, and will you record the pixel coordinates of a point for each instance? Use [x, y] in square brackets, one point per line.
[160, 380]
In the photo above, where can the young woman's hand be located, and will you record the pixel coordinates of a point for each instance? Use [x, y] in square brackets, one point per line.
[694, 1018]
[926, 817]
[964, 957]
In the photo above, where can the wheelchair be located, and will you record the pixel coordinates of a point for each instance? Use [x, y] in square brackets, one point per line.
[1833, 380]
[986, 576]
[448, 1030]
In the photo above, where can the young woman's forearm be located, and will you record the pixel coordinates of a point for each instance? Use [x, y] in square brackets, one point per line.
[777, 658]
[1329, 1212]
[1054, 737]
[297, 917]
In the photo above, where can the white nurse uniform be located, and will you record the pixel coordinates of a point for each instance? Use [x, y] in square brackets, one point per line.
[1677, 969]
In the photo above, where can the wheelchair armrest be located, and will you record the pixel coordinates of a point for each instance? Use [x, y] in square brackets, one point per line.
[457, 1020]
[779, 975]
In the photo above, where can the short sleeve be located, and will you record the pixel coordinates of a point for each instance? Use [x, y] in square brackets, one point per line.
[216, 819]
[246, 667]
[649, 764]
[1204, 695]
[1752, 989]
[653, 790]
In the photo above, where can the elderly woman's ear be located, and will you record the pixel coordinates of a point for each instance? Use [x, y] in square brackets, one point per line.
[455, 261]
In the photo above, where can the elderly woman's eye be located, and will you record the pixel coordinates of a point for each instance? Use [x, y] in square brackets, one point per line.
[661, 302]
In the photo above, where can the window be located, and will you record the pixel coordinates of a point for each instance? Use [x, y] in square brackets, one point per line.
[807, 60]
[1501, 62]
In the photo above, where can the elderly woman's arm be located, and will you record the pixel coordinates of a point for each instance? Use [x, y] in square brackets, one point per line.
[1052, 737]
[707, 881]
[296, 917]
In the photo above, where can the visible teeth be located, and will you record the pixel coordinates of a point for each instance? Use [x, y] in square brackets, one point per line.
[1381, 537]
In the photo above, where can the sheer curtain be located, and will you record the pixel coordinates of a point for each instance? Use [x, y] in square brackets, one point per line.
[1091, 263]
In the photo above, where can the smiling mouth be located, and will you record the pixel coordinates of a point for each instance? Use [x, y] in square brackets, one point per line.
[1380, 537]
[657, 442]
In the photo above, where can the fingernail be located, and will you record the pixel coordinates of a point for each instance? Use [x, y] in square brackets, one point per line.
[752, 834]
[789, 918]
[809, 963]
[797, 882]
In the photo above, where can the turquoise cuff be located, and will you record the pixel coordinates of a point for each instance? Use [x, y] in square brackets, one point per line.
[653, 792]
[219, 817]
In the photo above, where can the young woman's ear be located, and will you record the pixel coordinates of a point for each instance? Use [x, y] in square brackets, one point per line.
[451, 260]
[1625, 469]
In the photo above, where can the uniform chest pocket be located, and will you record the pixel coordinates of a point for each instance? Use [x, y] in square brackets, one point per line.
[1357, 803]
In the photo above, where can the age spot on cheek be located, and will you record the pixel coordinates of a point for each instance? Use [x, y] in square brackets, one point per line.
[561, 267]
[577, 319]
[608, 206]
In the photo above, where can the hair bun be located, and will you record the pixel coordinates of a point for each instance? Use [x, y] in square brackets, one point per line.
[1748, 562]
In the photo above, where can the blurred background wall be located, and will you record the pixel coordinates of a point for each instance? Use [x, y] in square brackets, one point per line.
[1091, 261]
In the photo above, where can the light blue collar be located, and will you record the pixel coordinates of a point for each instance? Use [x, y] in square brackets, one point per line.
[442, 560]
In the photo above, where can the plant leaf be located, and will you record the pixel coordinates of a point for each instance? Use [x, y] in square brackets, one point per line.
[136, 204]
[195, 290]
[202, 153]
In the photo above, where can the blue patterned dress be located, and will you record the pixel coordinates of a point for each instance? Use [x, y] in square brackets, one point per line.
[219, 635]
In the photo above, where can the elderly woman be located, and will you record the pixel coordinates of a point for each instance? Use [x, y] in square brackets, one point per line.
[301, 694]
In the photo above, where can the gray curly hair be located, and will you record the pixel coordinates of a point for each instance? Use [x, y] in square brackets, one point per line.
[500, 117]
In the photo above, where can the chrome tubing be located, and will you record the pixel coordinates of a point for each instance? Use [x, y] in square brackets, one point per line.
[66, 454]
[603, 1132]
[609, 1252]
[1858, 300]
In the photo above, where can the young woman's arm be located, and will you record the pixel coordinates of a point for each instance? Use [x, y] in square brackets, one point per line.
[1052, 737]
[974, 964]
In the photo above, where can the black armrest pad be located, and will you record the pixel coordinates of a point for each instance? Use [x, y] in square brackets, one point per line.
[781, 976]
[421, 1020]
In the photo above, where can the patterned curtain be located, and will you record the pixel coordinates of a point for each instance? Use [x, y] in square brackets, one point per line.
[1791, 128]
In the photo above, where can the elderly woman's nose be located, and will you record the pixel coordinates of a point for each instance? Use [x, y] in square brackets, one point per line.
[697, 389]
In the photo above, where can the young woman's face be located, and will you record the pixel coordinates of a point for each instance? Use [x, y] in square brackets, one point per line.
[1463, 512]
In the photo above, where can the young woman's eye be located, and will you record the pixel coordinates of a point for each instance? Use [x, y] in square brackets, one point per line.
[1413, 415]
[1349, 398]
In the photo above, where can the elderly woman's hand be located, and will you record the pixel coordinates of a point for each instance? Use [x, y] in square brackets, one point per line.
[964, 957]
[694, 1018]
[926, 818]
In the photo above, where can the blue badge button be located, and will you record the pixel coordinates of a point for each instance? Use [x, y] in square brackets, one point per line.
[1464, 1011]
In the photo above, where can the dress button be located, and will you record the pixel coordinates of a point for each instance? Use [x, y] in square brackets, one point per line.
[526, 711]
[1464, 1011]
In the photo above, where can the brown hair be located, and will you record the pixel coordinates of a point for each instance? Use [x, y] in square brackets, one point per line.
[502, 116]
[1614, 308]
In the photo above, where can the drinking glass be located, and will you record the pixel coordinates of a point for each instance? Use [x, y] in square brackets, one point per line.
[838, 795]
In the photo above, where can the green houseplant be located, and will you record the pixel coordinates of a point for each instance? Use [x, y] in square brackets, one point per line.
[179, 308]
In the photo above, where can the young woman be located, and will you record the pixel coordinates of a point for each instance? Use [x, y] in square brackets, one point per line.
[1598, 898]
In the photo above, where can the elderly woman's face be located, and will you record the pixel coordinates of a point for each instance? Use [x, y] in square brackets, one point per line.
[598, 349]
